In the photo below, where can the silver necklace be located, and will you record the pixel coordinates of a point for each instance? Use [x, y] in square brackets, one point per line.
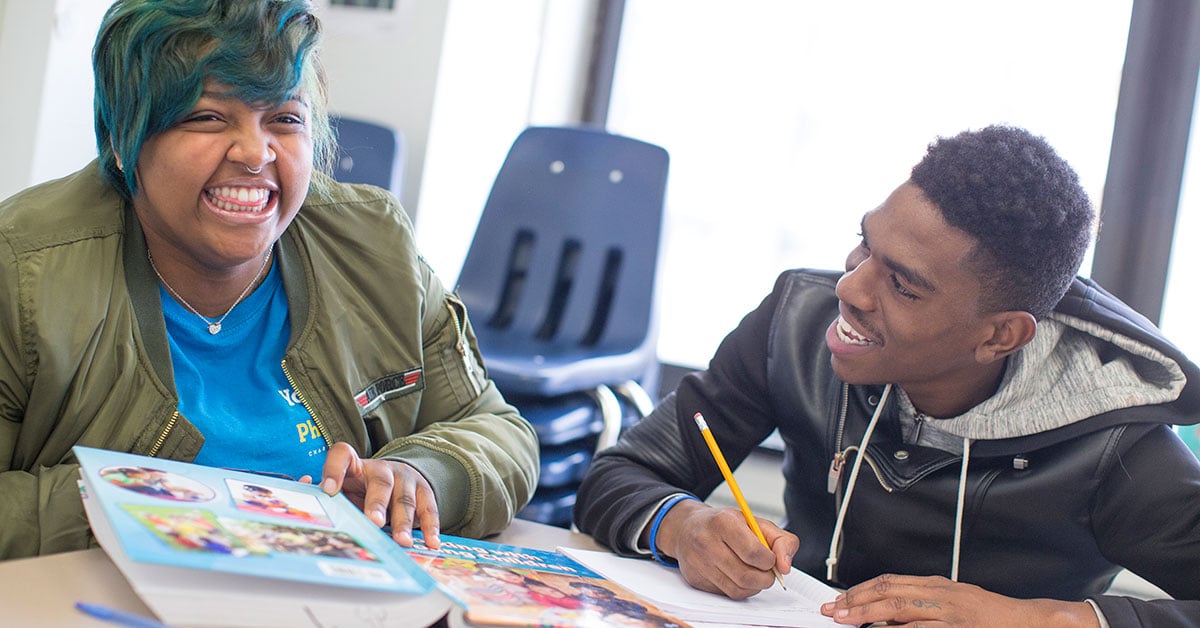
[214, 327]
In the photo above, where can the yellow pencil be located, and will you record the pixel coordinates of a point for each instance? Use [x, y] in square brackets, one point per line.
[733, 486]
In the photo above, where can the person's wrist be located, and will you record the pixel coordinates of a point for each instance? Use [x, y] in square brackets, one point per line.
[662, 527]
[1046, 612]
[1079, 614]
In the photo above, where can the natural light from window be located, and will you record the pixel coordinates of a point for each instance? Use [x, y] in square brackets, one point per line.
[1181, 301]
[785, 121]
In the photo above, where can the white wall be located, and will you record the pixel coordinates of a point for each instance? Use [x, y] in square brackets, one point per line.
[45, 66]
[26, 31]
[385, 70]
[460, 79]
[66, 136]
[497, 59]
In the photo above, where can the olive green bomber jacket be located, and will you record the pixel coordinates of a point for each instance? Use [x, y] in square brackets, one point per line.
[380, 353]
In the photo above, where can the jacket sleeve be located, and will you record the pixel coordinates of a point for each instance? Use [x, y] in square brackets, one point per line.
[478, 453]
[1127, 611]
[664, 453]
[41, 513]
[1146, 514]
[40, 510]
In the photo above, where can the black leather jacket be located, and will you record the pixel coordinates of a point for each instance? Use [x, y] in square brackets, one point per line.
[1056, 514]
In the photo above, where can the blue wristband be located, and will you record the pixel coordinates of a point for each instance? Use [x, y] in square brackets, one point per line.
[662, 512]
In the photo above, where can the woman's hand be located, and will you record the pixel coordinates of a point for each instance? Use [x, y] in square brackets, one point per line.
[934, 601]
[386, 491]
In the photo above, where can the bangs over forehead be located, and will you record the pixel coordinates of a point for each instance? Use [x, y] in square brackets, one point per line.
[152, 59]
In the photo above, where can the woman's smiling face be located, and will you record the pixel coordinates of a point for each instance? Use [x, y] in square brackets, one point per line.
[219, 187]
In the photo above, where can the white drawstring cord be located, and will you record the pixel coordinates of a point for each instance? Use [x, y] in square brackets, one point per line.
[958, 515]
[831, 561]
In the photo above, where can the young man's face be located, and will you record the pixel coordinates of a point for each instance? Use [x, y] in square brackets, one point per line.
[909, 308]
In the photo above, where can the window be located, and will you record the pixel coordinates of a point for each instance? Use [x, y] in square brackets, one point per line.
[785, 121]
[1180, 301]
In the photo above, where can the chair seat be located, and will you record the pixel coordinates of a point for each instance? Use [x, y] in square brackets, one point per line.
[560, 420]
[573, 417]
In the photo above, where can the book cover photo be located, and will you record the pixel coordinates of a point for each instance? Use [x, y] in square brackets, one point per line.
[507, 585]
[211, 546]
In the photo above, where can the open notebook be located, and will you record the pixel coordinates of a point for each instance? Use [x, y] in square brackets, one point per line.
[798, 606]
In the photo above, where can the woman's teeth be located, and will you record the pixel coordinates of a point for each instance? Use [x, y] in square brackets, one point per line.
[239, 199]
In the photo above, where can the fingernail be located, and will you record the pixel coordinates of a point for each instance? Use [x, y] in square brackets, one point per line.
[329, 486]
[841, 613]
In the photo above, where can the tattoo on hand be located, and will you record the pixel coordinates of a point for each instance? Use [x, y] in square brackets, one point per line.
[926, 604]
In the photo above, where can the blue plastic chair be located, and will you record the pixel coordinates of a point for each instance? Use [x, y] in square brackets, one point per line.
[559, 278]
[559, 281]
[368, 153]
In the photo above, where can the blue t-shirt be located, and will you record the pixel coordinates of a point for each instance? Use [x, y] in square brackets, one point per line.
[231, 385]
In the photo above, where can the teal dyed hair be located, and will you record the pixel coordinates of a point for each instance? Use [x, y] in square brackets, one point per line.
[152, 57]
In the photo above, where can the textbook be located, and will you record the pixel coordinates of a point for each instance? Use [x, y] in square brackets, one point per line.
[506, 585]
[204, 546]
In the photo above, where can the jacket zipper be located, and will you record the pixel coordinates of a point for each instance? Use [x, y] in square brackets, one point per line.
[304, 402]
[839, 458]
[162, 437]
[461, 328]
[841, 430]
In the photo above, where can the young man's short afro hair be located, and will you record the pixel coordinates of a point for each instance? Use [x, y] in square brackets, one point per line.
[1010, 191]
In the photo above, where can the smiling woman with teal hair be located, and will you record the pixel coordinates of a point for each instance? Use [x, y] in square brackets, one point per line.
[203, 291]
[152, 60]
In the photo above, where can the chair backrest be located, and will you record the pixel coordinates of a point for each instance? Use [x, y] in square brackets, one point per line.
[368, 153]
[564, 257]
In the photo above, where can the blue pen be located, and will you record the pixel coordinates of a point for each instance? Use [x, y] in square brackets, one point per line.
[118, 617]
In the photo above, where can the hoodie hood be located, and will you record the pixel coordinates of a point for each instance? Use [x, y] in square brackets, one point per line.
[1071, 371]
[1090, 359]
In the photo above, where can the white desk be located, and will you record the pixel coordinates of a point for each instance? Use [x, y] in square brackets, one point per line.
[42, 591]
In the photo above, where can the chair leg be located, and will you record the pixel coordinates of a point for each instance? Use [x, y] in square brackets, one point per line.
[610, 412]
[636, 395]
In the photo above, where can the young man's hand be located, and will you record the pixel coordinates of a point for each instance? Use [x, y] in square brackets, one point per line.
[719, 553]
[938, 601]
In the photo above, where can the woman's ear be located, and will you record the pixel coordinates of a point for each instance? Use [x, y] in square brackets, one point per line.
[1010, 331]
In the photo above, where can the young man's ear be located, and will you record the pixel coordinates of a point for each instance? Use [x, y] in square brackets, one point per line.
[1010, 331]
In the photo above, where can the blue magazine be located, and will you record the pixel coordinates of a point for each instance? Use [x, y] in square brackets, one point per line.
[186, 536]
